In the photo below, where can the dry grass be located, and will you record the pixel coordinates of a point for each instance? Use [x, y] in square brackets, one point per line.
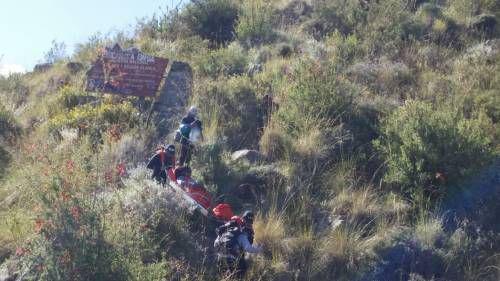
[274, 143]
[356, 203]
[270, 232]
[428, 231]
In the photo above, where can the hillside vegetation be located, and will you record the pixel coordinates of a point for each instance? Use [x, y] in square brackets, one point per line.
[387, 121]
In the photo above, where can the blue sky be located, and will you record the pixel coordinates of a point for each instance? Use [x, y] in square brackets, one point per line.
[27, 27]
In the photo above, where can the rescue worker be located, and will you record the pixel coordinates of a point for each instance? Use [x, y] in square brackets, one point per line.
[233, 241]
[163, 159]
[190, 132]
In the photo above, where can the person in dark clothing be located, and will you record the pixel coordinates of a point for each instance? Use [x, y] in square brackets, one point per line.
[190, 131]
[231, 244]
[163, 159]
[247, 225]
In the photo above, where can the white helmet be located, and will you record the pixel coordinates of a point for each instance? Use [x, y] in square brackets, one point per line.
[193, 111]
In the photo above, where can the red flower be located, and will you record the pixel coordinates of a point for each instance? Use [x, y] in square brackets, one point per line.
[39, 224]
[121, 169]
[75, 212]
[144, 227]
[20, 251]
[70, 166]
[65, 196]
[108, 176]
[66, 257]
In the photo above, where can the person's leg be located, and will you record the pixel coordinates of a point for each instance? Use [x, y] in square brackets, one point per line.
[242, 268]
[226, 267]
[189, 150]
[184, 153]
[163, 177]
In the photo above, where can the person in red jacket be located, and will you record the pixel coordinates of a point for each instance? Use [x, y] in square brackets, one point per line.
[163, 159]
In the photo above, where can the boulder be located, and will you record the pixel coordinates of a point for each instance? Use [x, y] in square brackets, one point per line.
[249, 155]
[173, 97]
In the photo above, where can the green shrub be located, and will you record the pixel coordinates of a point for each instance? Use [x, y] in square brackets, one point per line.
[9, 129]
[13, 90]
[70, 244]
[274, 143]
[426, 146]
[330, 16]
[225, 61]
[316, 92]
[96, 119]
[69, 97]
[388, 25]
[4, 161]
[255, 23]
[212, 19]
[230, 108]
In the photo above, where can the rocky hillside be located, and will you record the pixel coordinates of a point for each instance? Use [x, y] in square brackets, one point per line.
[370, 131]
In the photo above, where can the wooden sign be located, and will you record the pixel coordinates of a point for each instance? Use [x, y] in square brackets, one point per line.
[126, 72]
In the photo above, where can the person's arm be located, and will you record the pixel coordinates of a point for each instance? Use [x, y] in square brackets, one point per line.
[153, 162]
[247, 247]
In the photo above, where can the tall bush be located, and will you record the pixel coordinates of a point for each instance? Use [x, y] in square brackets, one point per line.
[230, 106]
[425, 146]
[317, 92]
[225, 61]
[212, 19]
[255, 23]
[70, 241]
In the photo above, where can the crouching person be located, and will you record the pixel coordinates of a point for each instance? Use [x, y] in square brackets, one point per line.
[233, 241]
[163, 159]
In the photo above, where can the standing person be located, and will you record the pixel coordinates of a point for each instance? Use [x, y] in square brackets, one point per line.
[163, 158]
[190, 131]
[232, 243]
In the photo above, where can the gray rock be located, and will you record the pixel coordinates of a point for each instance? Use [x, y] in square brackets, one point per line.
[249, 155]
[11, 199]
[173, 97]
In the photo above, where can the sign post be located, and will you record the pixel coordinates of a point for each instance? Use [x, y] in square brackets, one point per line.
[126, 72]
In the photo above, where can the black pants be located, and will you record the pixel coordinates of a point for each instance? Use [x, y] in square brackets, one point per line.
[186, 149]
[234, 267]
[160, 176]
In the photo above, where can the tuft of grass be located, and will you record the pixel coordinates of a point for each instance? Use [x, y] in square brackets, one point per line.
[429, 231]
[274, 143]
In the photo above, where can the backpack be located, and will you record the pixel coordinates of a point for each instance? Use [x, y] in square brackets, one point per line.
[227, 242]
[185, 129]
[182, 133]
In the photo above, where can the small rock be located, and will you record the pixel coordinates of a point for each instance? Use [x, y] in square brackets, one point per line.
[251, 156]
